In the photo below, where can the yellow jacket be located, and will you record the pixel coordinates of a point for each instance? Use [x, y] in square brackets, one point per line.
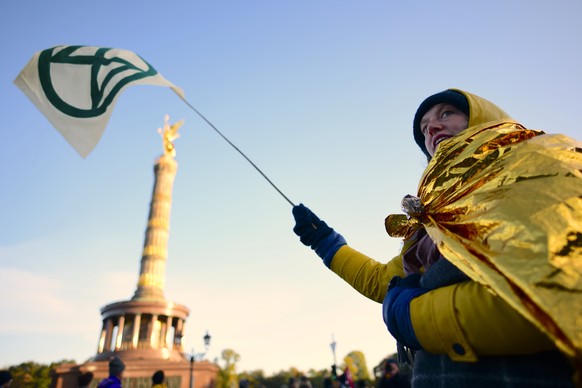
[447, 320]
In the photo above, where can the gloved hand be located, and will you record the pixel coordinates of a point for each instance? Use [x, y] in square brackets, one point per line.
[315, 233]
[396, 308]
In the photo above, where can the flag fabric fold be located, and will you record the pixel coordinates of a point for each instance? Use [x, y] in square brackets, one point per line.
[76, 88]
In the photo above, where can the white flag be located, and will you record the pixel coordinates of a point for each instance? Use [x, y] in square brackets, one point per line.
[76, 87]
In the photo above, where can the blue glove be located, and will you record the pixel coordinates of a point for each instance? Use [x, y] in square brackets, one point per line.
[315, 233]
[396, 309]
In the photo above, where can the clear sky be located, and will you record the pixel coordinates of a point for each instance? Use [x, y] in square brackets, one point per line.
[320, 94]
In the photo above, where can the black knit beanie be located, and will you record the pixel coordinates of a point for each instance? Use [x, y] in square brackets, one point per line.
[452, 97]
[158, 377]
[85, 379]
[116, 366]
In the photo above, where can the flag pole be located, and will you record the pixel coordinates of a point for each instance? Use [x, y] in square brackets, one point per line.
[236, 148]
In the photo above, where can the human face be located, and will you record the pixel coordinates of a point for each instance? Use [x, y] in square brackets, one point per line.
[441, 122]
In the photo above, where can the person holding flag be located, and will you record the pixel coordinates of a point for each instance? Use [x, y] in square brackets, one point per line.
[487, 290]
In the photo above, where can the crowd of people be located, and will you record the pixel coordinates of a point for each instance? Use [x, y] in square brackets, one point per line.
[390, 377]
[116, 368]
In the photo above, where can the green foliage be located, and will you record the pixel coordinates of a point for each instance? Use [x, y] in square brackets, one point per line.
[33, 375]
[228, 377]
[277, 380]
[356, 362]
[255, 378]
[317, 376]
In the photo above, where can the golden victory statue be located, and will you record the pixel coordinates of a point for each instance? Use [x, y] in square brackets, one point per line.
[170, 133]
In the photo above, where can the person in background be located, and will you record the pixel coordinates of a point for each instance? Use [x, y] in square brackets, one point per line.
[391, 376]
[462, 334]
[158, 379]
[5, 379]
[304, 382]
[346, 380]
[116, 368]
[84, 379]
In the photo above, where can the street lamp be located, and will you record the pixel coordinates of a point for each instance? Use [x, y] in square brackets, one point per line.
[199, 356]
[333, 368]
[206, 341]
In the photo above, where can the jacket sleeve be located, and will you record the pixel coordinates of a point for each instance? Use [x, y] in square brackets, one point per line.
[465, 320]
[447, 320]
[367, 276]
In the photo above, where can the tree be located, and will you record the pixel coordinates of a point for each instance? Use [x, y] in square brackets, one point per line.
[228, 373]
[278, 379]
[356, 362]
[317, 376]
[33, 375]
[255, 378]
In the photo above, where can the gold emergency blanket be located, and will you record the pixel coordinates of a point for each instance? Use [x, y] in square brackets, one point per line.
[504, 204]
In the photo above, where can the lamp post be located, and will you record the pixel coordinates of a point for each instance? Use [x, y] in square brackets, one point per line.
[206, 339]
[192, 369]
[200, 356]
[333, 367]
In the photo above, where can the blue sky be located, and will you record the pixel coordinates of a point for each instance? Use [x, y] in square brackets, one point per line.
[319, 94]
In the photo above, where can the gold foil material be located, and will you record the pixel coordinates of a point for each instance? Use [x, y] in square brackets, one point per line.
[504, 204]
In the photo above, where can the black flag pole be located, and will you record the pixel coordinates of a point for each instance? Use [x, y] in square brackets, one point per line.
[239, 151]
